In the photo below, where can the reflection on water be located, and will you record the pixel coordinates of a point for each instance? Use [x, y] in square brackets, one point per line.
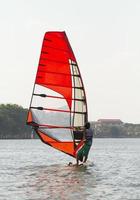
[59, 182]
[30, 170]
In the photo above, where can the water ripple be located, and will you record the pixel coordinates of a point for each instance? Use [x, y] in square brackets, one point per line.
[30, 170]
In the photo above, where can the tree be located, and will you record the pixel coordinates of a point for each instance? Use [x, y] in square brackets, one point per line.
[13, 122]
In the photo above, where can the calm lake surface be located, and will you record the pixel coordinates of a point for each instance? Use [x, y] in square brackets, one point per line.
[31, 170]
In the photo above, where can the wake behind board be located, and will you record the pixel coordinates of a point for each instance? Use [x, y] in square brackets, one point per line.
[87, 164]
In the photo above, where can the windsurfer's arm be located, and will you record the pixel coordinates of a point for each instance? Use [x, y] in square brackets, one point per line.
[84, 134]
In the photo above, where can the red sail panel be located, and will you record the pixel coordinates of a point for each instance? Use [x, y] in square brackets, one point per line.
[29, 118]
[54, 67]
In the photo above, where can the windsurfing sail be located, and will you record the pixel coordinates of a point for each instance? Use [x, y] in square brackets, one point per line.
[58, 107]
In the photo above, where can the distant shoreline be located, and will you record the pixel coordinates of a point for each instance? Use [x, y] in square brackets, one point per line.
[13, 125]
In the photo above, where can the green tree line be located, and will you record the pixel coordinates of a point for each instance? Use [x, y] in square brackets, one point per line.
[13, 125]
[13, 122]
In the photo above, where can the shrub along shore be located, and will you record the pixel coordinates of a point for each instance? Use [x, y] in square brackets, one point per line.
[13, 125]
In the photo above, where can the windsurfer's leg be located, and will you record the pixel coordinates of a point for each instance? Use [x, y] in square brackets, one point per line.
[86, 152]
[79, 156]
[85, 158]
[77, 161]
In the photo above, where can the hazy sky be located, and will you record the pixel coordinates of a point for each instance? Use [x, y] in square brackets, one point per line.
[104, 35]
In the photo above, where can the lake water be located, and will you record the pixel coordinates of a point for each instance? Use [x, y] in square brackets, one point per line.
[31, 170]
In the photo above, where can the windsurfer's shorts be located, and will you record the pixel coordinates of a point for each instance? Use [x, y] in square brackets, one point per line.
[83, 152]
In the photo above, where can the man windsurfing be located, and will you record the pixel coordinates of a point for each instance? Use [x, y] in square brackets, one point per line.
[82, 154]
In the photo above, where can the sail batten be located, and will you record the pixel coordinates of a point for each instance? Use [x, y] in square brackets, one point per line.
[49, 96]
[58, 105]
[56, 110]
[54, 61]
[64, 74]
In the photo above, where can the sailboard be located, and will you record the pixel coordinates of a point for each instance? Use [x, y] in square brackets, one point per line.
[58, 106]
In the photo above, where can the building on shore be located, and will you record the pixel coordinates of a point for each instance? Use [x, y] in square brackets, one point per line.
[109, 122]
